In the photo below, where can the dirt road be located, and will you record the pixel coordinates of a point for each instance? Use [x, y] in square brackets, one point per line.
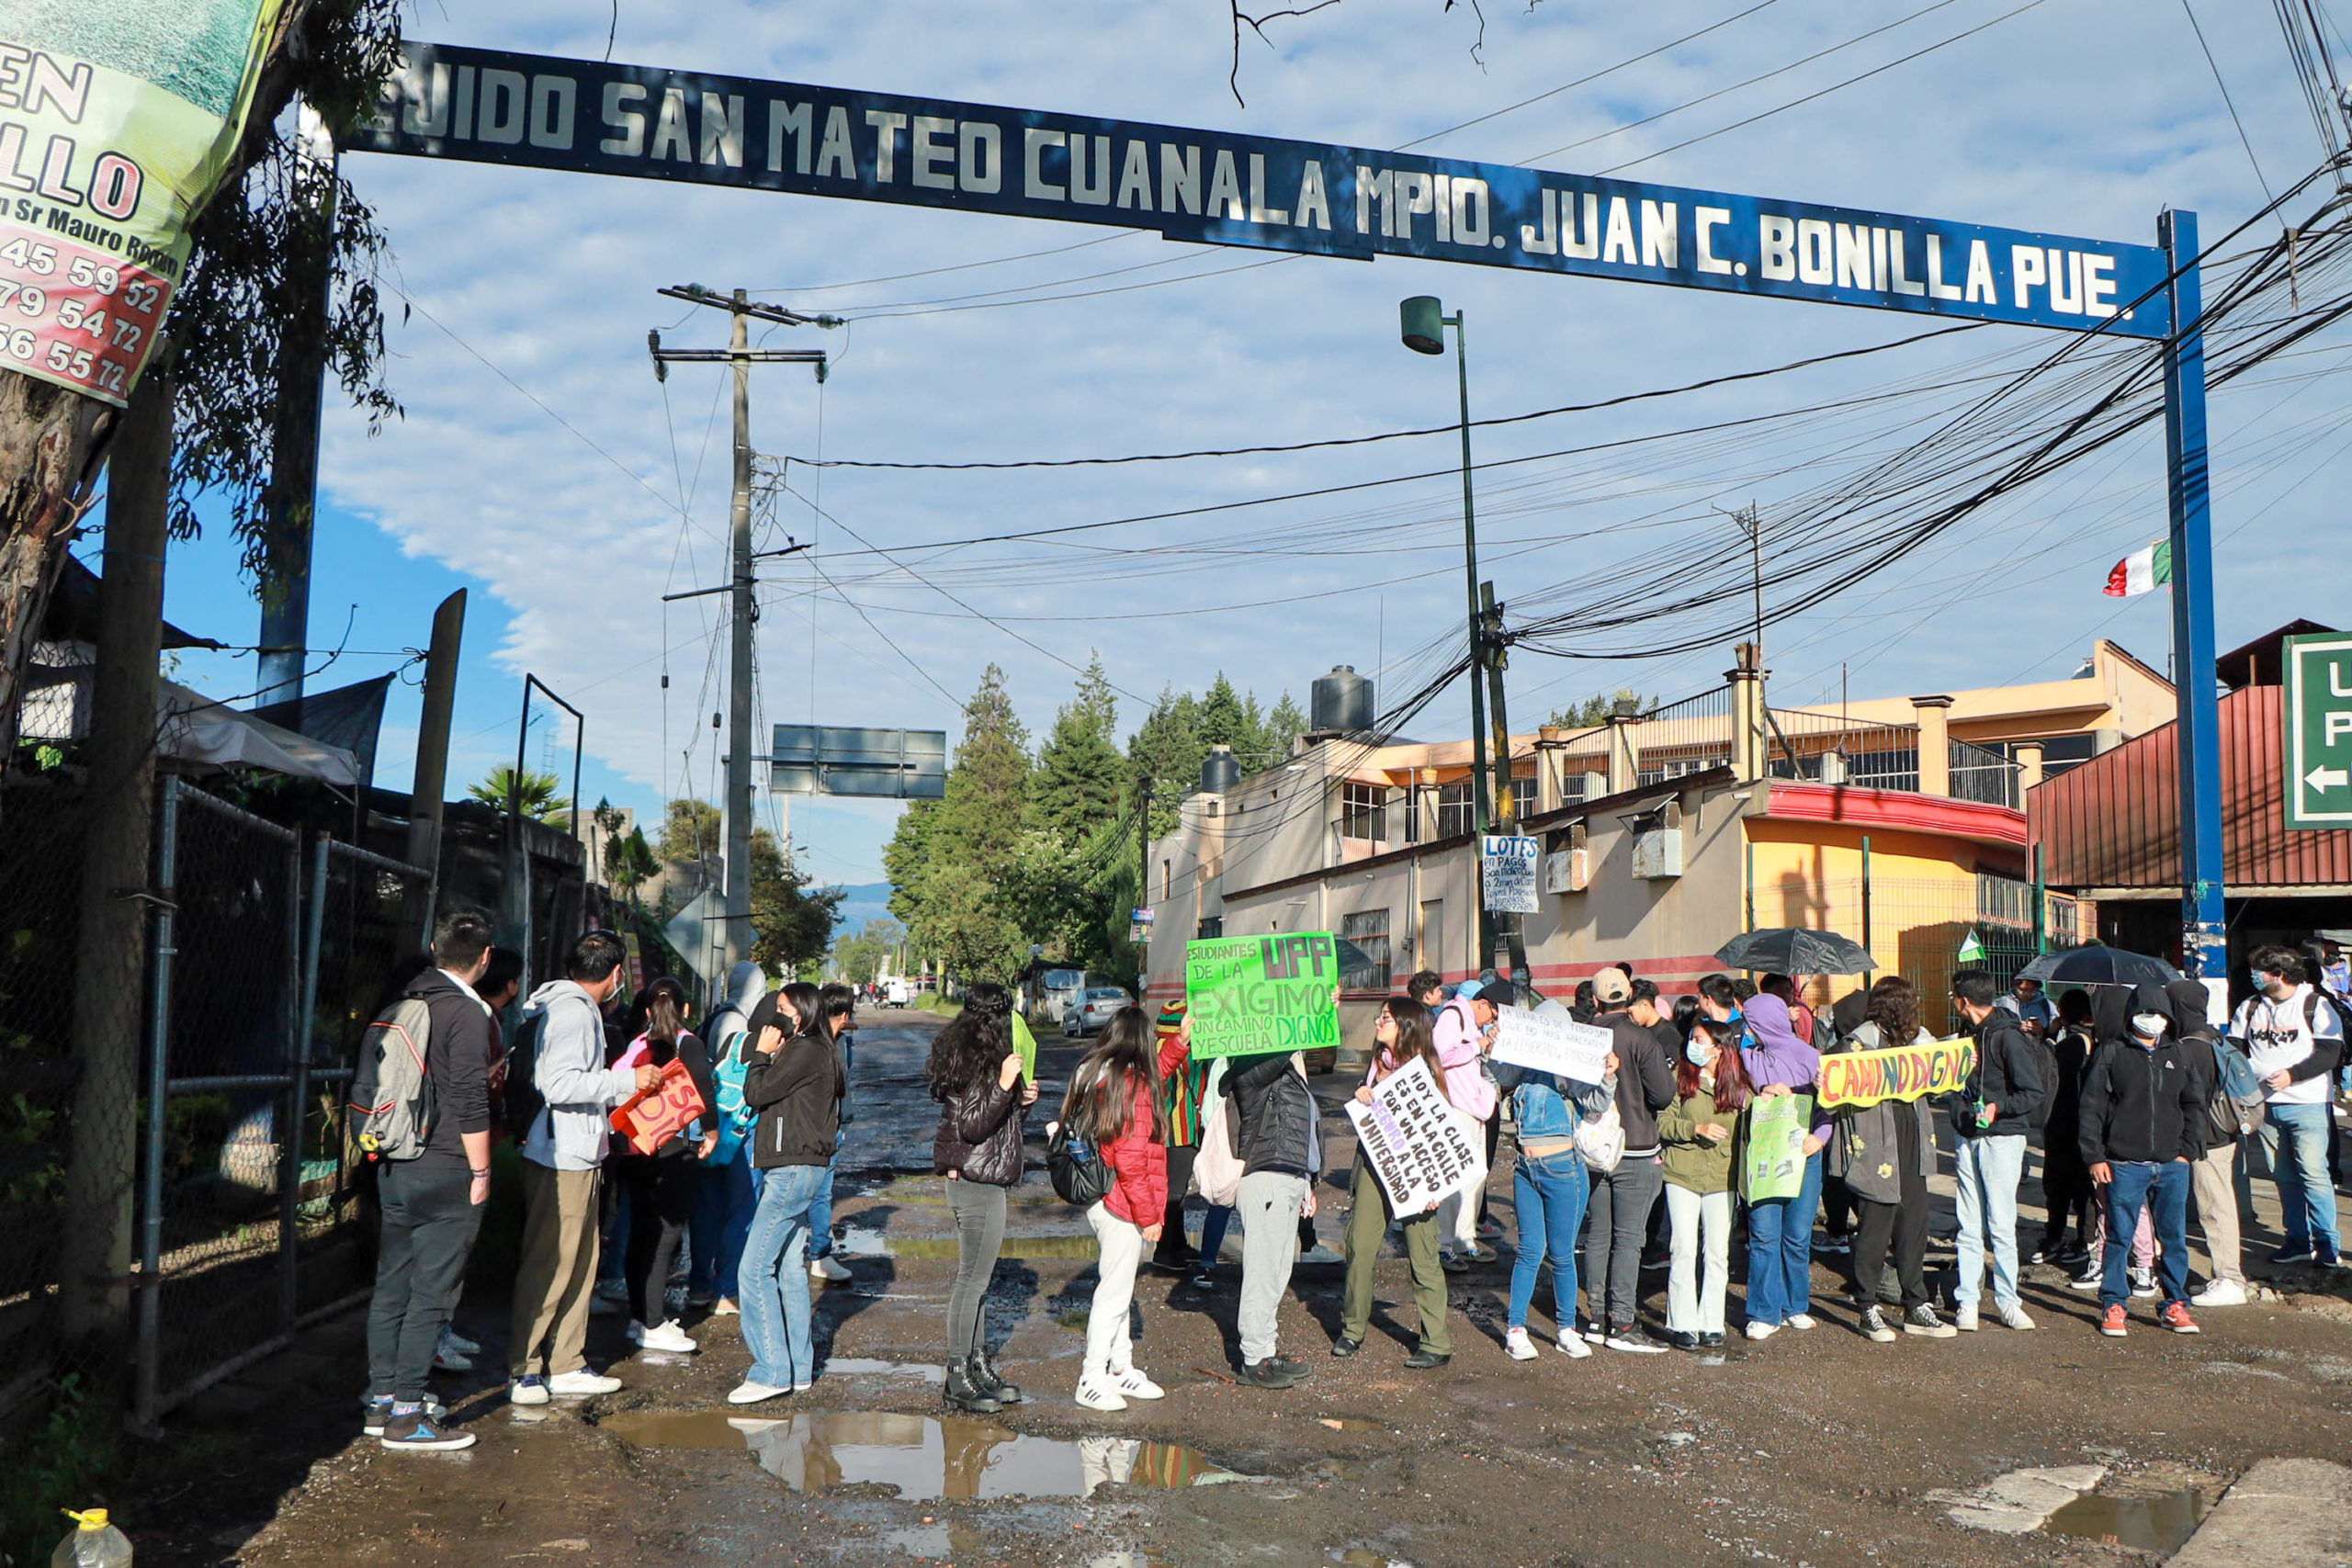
[1819, 1449]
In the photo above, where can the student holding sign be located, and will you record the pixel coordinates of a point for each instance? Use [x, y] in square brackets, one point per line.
[1885, 1151]
[1401, 1034]
[661, 1185]
[1549, 1187]
[1779, 1228]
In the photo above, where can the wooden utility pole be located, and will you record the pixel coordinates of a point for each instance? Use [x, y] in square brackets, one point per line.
[426, 795]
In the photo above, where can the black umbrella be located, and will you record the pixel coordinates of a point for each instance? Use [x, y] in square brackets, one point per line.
[2098, 965]
[1793, 950]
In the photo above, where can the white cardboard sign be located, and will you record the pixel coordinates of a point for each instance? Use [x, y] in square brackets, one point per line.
[1551, 1043]
[1415, 1144]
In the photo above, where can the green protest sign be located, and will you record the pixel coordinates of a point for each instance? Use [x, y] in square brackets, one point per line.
[1249, 994]
[1773, 1165]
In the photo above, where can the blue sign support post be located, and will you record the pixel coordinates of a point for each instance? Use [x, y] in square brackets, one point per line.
[2203, 946]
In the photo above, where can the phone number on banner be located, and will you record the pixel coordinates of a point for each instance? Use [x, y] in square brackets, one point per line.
[78, 317]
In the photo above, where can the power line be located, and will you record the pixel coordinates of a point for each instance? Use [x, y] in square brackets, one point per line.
[2215, 67]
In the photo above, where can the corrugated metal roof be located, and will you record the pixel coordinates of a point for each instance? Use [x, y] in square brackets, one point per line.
[2115, 820]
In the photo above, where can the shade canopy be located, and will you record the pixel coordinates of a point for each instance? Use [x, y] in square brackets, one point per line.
[2098, 965]
[1794, 950]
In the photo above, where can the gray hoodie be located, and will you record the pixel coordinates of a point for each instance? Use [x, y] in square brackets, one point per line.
[746, 984]
[570, 1074]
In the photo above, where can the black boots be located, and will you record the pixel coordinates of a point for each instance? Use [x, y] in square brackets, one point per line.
[986, 1379]
[965, 1394]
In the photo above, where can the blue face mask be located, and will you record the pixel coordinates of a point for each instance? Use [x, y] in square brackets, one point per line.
[1698, 1056]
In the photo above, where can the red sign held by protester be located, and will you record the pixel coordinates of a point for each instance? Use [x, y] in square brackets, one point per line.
[652, 1118]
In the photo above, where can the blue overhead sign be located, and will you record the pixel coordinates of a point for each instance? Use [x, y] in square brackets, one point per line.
[1228, 188]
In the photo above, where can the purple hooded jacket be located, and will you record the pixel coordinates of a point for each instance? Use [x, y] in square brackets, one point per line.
[1778, 1056]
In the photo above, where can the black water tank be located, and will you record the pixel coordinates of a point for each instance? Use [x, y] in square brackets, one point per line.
[1341, 703]
[1220, 773]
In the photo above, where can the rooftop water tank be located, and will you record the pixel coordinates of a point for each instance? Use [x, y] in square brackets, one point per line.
[1341, 703]
[1220, 772]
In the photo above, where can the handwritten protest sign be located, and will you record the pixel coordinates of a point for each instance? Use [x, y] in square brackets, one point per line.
[1249, 995]
[1773, 1166]
[1415, 1144]
[649, 1119]
[1926, 1066]
[1552, 1042]
[1507, 874]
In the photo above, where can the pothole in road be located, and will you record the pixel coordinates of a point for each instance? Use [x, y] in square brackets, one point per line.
[2160, 1522]
[919, 1458]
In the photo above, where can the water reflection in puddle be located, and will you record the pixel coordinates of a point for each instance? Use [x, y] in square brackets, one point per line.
[2161, 1522]
[863, 1366]
[864, 1241]
[922, 1457]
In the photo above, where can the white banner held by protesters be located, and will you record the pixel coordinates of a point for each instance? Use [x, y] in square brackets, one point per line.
[1418, 1147]
[1548, 1042]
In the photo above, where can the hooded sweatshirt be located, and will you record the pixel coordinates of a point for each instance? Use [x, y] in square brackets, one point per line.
[1466, 1087]
[1778, 1056]
[571, 1132]
[746, 984]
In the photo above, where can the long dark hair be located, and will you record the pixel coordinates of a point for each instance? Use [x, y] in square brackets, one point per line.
[807, 1002]
[973, 1045]
[1415, 1037]
[665, 1019]
[1686, 1013]
[1733, 1088]
[1102, 1094]
[1894, 1008]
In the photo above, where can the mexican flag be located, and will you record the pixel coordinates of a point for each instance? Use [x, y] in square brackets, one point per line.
[2141, 571]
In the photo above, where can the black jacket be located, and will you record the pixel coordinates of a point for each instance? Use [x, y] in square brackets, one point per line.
[1644, 1081]
[2007, 1076]
[2141, 1105]
[979, 1133]
[459, 1044]
[1275, 1113]
[798, 1093]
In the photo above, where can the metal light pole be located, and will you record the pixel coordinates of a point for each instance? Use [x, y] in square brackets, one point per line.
[1421, 322]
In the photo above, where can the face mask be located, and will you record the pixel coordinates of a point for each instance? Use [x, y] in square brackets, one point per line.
[1697, 1055]
[2262, 979]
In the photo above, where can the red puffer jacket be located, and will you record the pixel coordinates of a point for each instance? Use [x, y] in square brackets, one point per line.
[1139, 1162]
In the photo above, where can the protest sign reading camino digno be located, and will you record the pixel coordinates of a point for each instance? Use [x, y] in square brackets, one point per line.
[1249, 995]
[1865, 1077]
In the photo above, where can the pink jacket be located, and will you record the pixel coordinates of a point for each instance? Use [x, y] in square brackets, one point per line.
[1467, 1087]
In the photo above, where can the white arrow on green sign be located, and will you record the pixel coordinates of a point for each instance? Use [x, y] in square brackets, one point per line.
[2318, 740]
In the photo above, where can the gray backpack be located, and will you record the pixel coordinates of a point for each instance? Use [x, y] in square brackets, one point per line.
[391, 1092]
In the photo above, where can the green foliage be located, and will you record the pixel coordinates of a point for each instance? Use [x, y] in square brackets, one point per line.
[1169, 746]
[690, 834]
[629, 861]
[1080, 777]
[952, 862]
[60, 1466]
[792, 925]
[1594, 711]
[860, 958]
[537, 793]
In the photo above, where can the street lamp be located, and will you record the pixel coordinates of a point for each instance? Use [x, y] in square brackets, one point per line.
[1421, 322]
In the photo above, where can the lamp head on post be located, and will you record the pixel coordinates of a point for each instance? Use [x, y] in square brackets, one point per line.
[1421, 324]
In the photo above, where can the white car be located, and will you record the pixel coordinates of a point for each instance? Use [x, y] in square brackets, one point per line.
[1092, 1011]
[897, 994]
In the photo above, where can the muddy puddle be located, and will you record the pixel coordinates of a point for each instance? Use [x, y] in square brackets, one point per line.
[866, 1367]
[2160, 1522]
[860, 1241]
[920, 1457]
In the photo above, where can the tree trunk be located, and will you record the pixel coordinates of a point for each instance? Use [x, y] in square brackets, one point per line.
[94, 1293]
[52, 441]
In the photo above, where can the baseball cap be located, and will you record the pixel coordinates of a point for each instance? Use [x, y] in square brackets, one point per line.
[1610, 986]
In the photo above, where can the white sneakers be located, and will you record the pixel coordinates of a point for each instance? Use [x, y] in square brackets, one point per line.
[2221, 1293]
[1762, 1330]
[1095, 1394]
[829, 1271]
[582, 1384]
[1798, 1320]
[1573, 1346]
[2014, 1316]
[1964, 1318]
[1132, 1384]
[663, 1337]
[1518, 1347]
[749, 1392]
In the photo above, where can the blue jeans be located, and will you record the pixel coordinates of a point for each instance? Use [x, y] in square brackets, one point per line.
[1989, 1168]
[1780, 1251]
[821, 1213]
[2164, 1188]
[721, 1220]
[2295, 1137]
[1548, 1193]
[775, 1278]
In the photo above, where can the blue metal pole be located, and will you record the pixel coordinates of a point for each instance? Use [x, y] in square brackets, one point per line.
[2198, 733]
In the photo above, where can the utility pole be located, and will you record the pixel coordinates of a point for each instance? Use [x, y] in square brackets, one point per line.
[1510, 929]
[290, 500]
[735, 809]
[425, 803]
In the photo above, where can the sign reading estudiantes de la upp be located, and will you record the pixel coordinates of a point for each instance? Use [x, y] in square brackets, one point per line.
[1231, 188]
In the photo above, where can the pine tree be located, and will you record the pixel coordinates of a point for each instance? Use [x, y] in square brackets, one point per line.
[1284, 724]
[1164, 755]
[1080, 778]
[953, 866]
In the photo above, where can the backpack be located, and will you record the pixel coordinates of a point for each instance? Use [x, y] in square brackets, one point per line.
[2045, 1063]
[2238, 1096]
[1216, 1169]
[732, 1119]
[391, 1090]
[523, 1102]
[1076, 1169]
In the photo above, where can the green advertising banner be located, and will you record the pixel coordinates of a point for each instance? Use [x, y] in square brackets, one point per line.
[1251, 995]
[1773, 1165]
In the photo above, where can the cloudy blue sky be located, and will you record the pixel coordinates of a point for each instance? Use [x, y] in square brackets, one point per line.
[541, 466]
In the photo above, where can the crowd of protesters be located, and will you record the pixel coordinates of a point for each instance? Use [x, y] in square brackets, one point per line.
[2142, 1105]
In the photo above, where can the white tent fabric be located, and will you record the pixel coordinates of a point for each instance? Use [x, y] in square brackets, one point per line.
[195, 728]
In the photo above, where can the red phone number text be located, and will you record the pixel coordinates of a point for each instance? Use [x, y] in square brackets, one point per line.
[75, 316]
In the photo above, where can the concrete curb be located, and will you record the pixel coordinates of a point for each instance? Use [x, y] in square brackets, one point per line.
[2282, 1511]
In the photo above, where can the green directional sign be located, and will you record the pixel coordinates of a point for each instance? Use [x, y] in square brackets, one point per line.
[2318, 742]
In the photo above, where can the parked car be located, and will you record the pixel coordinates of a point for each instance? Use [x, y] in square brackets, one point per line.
[897, 994]
[1090, 1010]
